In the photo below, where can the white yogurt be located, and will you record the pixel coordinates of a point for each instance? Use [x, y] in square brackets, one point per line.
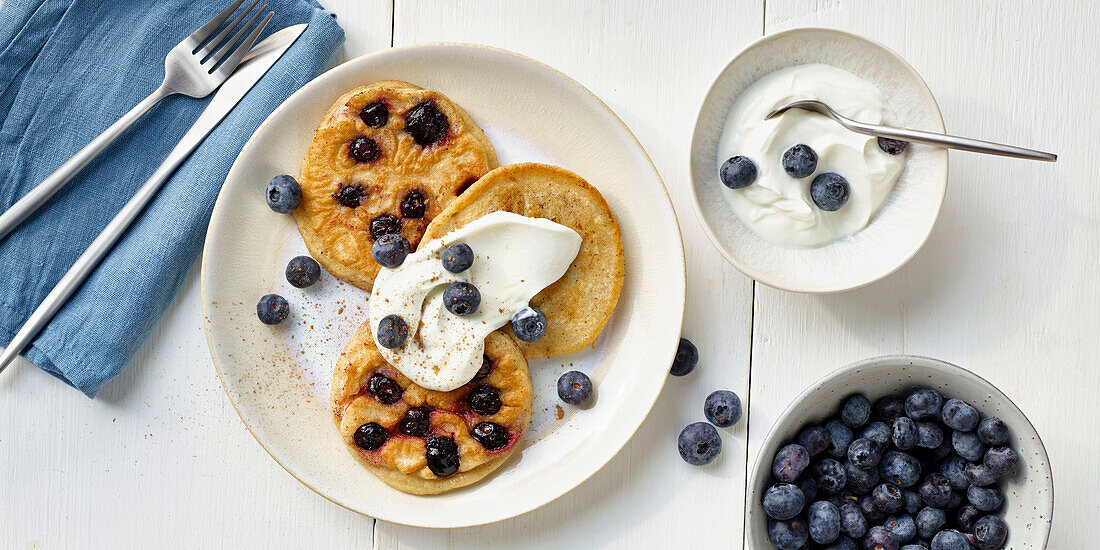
[777, 206]
[515, 257]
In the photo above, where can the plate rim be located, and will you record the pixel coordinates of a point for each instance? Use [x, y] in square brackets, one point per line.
[347, 66]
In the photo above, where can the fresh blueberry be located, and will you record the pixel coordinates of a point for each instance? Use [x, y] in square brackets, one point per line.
[840, 436]
[384, 389]
[414, 205]
[993, 431]
[887, 498]
[936, 454]
[843, 542]
[824, 520]
[856, 411]
[491, 435]
[283, 194]
[789, 534]
[392, 331]
[829, 191]
[458, 258]
[935, 490]
[349, 196]
[384, 224]
[902, 526]
[889, 408]
[426, 123]
[370, 436]
[869, 510]
[923, 403]
[968, 444]
[575, 387]
[955, 501]
[375, 115]
[864, 453]
[967, 516]
[442, 456]
[737, 172]
[461, 298]
[852, 520]
[809, 487]
[930, 521]
[529, 324]
[789, 462]
[815, 439]
[417, 422]
[783, 501]
[860, 481]
[686, 358]
[1001, 460]
[831, 476]
[302, 271]
[950, 539]
[929, 435]
[990, 532]
[919, 545]
[911, 502]
[959, 416]
[800, 161]
[272, 309]
[979, 474]
[892, 146]
[699, 443]
[954, 470]
[880, 538]
[900, 469]
[878, 432]
[364, 149]
[985, 499]
[905, 434]
[390, 250]
[723, 409]
[484, 400]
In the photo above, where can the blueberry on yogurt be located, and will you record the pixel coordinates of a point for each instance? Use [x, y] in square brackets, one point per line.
[458, 258]
[283, 194]
[892, 146]
[390, 250]
[738, 172]
[529, 324]
[829, 191]
[461, 298]
[800, 161]
[392, 331]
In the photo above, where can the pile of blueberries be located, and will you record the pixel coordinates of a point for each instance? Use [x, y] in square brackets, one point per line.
[828, 190]
[913, 472]
[699, 443]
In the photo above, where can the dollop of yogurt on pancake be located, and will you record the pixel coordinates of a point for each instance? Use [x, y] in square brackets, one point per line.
[515, 257]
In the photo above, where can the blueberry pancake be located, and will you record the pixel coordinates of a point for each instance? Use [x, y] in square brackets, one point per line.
[386, 158]
[427, 442]
[578, 305]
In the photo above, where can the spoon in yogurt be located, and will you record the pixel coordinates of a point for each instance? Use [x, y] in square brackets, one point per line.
[915, 136]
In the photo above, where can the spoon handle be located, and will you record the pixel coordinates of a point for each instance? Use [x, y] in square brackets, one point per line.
[951, 142]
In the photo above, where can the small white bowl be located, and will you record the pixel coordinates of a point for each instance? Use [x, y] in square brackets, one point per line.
[1029, 493]
[903, 223]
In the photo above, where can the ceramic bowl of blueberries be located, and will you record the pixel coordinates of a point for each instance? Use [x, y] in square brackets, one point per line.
[901, 453]
[870, 233]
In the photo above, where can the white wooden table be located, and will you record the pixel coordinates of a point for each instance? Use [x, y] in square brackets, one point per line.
[1006, 286]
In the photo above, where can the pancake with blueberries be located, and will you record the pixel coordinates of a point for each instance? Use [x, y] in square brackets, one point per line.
[386, 158]
[579, 304]
[428, 442]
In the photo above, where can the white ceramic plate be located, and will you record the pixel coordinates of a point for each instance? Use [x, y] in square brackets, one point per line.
[899, 229]
[278, 377]
[1028, 493]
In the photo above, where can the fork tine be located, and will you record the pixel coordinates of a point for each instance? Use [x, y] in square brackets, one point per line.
[225, 49]
[218, 41]
[234, 59]
[204, 31]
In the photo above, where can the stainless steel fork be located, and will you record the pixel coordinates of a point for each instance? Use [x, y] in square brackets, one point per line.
[195, 67]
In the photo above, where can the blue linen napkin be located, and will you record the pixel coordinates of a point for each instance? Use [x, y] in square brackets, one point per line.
[70, 68]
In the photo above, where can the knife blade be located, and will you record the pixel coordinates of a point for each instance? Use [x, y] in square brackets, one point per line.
[260, 59]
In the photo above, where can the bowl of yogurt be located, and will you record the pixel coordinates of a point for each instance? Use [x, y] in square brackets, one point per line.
[797, 201]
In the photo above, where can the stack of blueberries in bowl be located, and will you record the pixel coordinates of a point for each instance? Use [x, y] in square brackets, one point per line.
[913, 471]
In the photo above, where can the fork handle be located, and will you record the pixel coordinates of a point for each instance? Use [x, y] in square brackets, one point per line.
[951, 142]
[42, 192]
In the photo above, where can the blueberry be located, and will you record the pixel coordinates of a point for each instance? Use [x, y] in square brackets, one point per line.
[800, 161]
[789, 534]
[955, 500]
[384, 389]
[302, 271]
[902, 526]
[686, 358]
[968, 444]
[809, 487]
[831, 476]
[878, 432]
[1001, 460]
[414, 205]
[905, 434]
[840, 436]
[364, 149]
[959, 416]
[929, 435]
[461, 298]
[860, 481]
[887, 498]
[919, 545]
[392, 331]
[967, 516]
[900, 469]
[375, 115]
[892, 146]
[529, 324]
[349, 196]
[829, 191]
[889, 408]
[723, 409]
[990, 532]
[486, 368]
[954, 470]
[923, 403]
[426, 123]
[911, 501]
[417, 422]
[737, 172]
[815, 439]
[950, 539]
[370, 436]
[936, 454]
[856, 411]
[867, 507]
[384, 224]
[390, 250]
[491, 435]
[272, 309]
[699, 443]
[574, 387]
[929, 521]
[980, 474]
[852, 520]
[457, 258]
[824, 522]
[283, 194]
[880, 538]
[789, 463]
[864, 453]
[843, 542]
[442, 456]
[783, 501]
[993, 431]
[935, 490]
[484, 400]
[985, 499]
